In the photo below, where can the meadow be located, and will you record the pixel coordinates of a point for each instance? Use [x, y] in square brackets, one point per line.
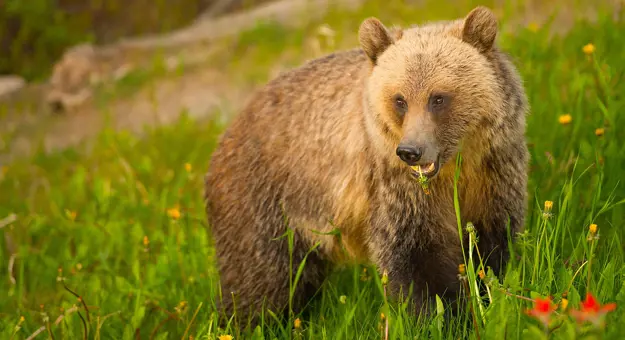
[111, 241]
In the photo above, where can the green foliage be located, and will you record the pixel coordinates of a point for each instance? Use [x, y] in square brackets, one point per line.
[37, 32]
[125, 222]
[32, 32]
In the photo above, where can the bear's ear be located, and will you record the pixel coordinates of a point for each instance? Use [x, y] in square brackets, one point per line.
[480, 29]
[374, 38]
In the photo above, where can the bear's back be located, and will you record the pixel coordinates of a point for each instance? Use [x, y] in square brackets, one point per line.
[300, 130]
[315, 86]
[305, 113]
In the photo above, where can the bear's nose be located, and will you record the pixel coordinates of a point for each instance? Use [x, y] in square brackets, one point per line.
[409, 154]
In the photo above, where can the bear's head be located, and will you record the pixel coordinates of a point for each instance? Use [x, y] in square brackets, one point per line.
[430, 89]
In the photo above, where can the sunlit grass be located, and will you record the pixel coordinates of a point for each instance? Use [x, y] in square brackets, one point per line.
[123, 226]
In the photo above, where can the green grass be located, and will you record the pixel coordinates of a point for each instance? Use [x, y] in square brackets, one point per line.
[101, 219]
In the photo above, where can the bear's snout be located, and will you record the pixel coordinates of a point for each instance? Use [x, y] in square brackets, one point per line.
[422, 158]
[409, 154]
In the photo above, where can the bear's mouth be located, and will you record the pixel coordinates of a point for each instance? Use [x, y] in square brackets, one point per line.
[427, 170]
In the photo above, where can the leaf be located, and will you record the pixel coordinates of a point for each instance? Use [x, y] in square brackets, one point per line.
[440, 314]
[606, 282]
[258, 334]
[535, 295]
[533, 332]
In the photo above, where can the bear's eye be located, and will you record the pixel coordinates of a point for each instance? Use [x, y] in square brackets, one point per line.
[400, 104]
[438, 103]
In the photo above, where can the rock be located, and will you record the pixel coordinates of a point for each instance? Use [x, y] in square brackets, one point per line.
[81, 69]
[10, 84]
[76, 69]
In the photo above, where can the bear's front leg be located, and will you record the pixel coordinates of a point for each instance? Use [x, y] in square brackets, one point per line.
[505, 206]
[418, 252]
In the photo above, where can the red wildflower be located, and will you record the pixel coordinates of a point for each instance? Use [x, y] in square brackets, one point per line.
[543, 308]
[591, 310]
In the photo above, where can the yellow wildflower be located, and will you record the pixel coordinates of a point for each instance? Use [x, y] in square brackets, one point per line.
[481, 274]
[593, 228]
[70, 214]
[364, 276]
[533, 27]
[382, 316]
[548, 206]
[297, 323]
[225, 337]
[599, 132]
[589, 49]
[19, 324]
[564, 303]
[343, 299]
[146, 241]
[461, 269]
[565, 119]
[181, 307]
[174, 213]
[188, 167]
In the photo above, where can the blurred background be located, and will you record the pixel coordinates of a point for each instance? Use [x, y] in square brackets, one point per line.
[35, 33]
[68, 56]
[62, 56]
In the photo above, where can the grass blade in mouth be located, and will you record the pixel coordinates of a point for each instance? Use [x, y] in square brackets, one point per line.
[423, 181]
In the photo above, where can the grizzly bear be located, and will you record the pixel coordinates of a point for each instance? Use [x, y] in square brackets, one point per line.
[367, 141]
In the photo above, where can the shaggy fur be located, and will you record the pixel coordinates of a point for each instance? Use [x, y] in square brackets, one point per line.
[315, 149]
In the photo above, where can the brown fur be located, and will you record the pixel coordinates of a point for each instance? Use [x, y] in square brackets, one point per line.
[316, 148]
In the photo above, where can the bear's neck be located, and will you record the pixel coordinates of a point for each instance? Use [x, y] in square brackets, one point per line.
[439, 191]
